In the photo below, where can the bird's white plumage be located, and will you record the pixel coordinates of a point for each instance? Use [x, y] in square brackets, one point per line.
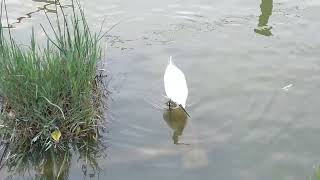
[175, 84]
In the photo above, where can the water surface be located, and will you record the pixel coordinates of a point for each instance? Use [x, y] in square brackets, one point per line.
[238, 57]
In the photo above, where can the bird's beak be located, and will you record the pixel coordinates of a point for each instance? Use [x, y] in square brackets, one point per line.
[184, 110]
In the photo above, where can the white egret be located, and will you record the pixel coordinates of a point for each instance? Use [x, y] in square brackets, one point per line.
[175, 85]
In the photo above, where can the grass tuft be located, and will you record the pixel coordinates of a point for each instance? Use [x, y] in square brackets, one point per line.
[51, 88]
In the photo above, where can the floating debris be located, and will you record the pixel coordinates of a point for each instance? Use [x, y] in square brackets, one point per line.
[286, 88]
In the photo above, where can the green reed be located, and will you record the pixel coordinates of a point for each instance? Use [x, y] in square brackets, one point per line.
[50, 88]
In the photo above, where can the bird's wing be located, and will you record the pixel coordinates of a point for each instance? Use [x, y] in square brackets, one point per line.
[175, 85]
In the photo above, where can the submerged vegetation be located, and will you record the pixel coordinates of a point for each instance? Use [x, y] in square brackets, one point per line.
[51, 96]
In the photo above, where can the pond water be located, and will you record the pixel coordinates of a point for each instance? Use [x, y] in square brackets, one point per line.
[253, 72]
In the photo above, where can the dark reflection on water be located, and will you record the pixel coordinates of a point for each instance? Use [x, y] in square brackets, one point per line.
[176, 119]
[46, 8]
[55, 163]
[266, 7]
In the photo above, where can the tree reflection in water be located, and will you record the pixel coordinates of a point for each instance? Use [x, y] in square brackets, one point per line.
[266, 11]
[48, 7]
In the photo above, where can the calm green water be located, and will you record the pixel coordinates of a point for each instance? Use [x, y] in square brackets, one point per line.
[238, 57]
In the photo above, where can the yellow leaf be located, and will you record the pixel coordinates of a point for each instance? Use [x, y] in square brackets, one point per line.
[56, 135]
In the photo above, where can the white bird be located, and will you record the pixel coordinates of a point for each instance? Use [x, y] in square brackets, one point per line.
[175, 85]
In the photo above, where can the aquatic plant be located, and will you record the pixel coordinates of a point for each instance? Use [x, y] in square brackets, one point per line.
[52, 95]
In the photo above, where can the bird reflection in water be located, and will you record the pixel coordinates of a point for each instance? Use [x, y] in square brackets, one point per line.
[176, 119]
[266, 11]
